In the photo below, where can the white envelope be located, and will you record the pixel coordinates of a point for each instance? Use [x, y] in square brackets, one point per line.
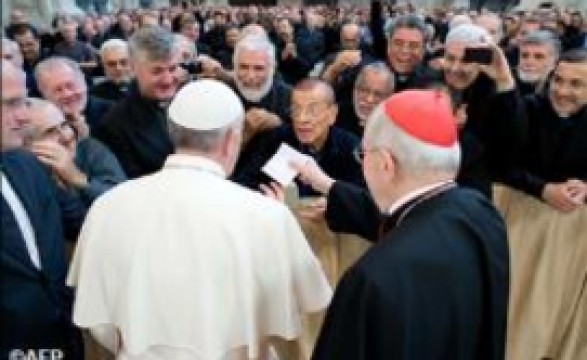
[278, 167]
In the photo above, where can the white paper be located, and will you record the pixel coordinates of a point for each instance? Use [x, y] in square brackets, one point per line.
[278, 167]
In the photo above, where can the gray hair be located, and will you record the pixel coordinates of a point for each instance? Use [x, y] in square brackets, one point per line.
[255, 43]
[152, 43]
[380, 68]
[205, 141]
[113, 44]
[543, 37]
[468, 34]
[414, 157]
[48, 66]
[409, 21]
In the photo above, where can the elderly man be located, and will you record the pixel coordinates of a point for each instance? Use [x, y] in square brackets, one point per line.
[182, 268]
[136, 127]
[116, 64]
[313, 112]
[84, 166]
[266, 98]
[489, 142]
[539, 51]
[374, 84]
[442, 260]
[547, 221]
[35, 304]
[62, 82]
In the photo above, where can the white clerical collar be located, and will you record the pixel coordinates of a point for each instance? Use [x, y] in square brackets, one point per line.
[414, 194]
[195, 162]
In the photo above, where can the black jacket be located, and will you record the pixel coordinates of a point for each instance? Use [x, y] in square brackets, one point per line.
[136, 131]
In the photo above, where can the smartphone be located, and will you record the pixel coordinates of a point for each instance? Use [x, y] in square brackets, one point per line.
[481, 55]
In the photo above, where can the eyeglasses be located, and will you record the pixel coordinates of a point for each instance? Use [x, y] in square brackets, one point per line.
[113, 63]
[312, 110]
[365, 91]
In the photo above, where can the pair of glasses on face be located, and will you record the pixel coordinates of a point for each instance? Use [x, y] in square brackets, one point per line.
[113, 63]
[312, 110]
[365, 91]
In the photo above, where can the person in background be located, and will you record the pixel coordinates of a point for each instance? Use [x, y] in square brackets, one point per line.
[62, 82]
[115, 61]
[539, 52]
[84, 166]
[135, 129]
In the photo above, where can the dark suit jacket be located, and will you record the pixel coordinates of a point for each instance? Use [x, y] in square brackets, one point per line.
[35, 305]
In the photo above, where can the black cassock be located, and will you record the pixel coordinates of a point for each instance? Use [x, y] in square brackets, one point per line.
[435, 286]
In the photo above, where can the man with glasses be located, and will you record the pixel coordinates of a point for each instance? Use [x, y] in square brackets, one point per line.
[35, 304]
[374, 84]
[435, 286]
[116, 64]
[83, 166]
[313, 112]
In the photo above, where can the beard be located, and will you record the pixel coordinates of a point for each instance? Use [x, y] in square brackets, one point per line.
[255, 95]
[360, 115]
[528, 77]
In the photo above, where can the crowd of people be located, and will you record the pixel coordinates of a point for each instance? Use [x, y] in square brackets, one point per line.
[136, 207]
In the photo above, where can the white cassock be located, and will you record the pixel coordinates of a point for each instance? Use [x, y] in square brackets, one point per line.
[184, 264]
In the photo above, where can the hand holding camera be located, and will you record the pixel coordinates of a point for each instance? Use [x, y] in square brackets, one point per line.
[492, 62]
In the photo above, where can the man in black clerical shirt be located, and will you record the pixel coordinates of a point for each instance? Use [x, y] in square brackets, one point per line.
[115, 61]
[313, 112]
[136, 127]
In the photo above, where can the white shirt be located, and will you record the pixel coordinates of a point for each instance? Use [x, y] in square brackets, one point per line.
[23, 221]
[186, 264]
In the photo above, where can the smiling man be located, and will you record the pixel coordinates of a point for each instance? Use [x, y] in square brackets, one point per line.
[136, 128]
[61, 81]
[539, 51]
[313, 112]
[548, 249]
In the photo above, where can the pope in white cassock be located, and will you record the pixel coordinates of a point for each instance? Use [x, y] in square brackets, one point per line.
[184, 264]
